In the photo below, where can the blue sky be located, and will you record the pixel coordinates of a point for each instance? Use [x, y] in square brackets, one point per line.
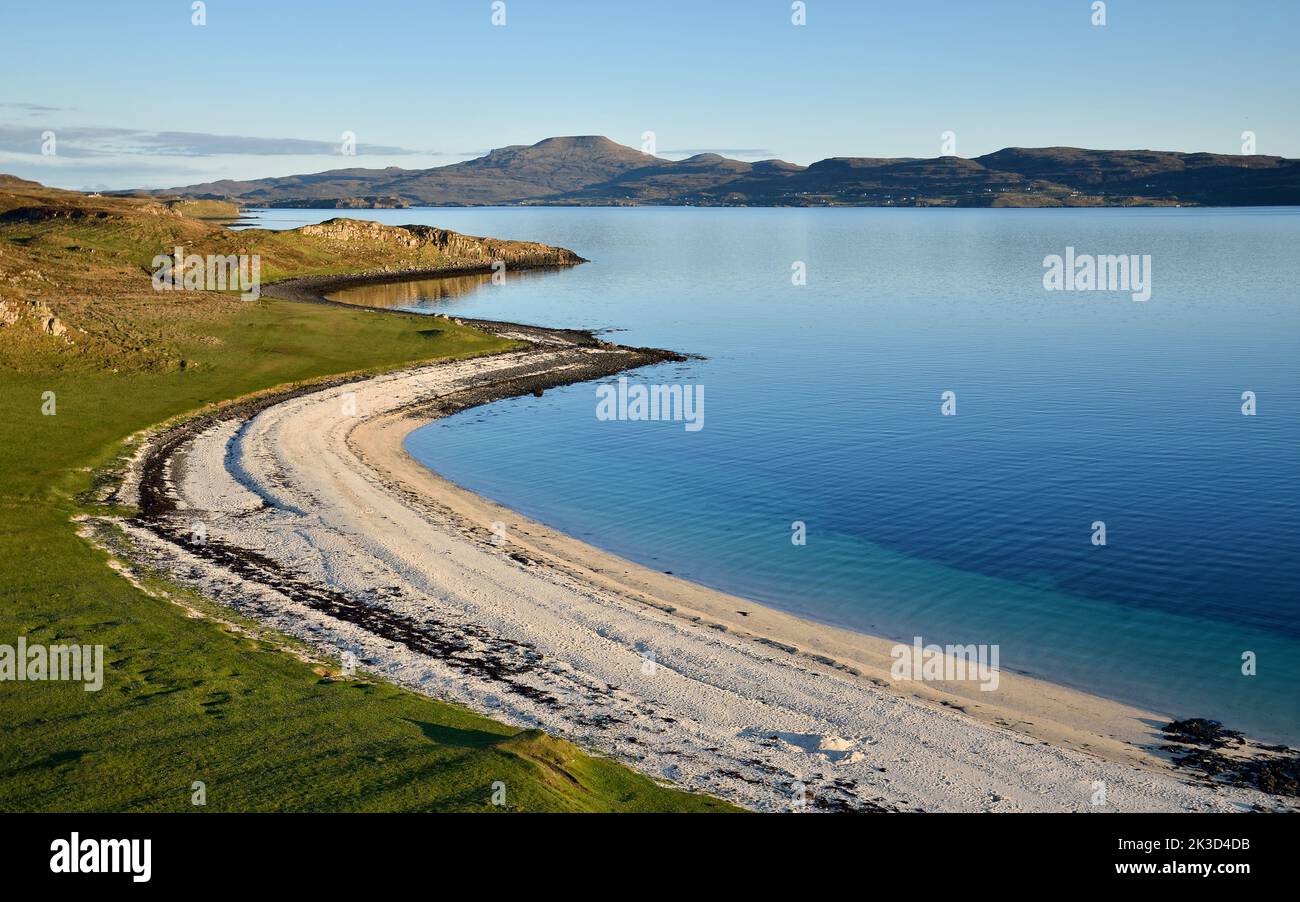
[138, 96]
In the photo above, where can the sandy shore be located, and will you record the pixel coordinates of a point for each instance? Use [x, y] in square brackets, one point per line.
[305, 512]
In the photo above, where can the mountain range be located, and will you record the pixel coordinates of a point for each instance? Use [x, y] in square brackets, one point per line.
[595, 171]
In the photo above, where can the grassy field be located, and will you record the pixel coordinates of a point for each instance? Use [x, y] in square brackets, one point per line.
[187, 698]
[204, 209]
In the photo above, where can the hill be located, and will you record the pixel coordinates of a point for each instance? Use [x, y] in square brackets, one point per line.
[592, 170]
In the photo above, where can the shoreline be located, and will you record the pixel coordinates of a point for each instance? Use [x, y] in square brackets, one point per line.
[1036, 708]
[315, 289]
[783, 654]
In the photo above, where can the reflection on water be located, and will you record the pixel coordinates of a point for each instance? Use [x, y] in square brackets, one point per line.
[423, 294]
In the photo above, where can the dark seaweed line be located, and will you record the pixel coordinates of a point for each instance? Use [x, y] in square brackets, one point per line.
[432, 637]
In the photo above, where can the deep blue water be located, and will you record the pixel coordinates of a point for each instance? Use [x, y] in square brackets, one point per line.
[823, 406]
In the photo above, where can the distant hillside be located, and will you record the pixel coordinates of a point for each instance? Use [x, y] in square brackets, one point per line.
[505, 176]
[596, 171]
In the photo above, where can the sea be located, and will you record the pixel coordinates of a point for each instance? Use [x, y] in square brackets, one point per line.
[929, 423]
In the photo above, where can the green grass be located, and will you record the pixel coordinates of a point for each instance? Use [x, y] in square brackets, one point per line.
[188, 699]
[204, 209]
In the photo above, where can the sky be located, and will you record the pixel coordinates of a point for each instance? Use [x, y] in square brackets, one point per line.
[137, 95]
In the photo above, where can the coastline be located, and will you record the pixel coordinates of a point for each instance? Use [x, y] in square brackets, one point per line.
[1040, 710]
[965, 749]
[315, 289]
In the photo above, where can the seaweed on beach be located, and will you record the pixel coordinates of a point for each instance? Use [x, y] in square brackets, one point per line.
[1226, 756]
[1201, 731]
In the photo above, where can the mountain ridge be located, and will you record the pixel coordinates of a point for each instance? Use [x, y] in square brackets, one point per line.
[596, 171]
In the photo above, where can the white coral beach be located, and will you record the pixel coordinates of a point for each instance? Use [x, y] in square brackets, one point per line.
[541, 630]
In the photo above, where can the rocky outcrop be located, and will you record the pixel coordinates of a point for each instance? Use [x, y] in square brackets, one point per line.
[50, 324]
[461, 249]
[42, 213]
[46, 212]
[44, 317]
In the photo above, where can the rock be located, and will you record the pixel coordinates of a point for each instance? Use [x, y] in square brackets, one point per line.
[43, 315]
[835, 744]
[461, 249]
[50, 324]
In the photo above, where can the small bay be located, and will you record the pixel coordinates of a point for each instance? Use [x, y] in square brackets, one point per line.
[823, 407]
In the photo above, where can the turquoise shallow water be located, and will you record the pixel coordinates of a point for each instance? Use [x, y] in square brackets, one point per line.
[823, 406]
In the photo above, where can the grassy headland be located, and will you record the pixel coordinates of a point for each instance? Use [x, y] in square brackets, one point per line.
[190, 698]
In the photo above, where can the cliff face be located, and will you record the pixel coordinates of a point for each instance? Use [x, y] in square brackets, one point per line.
[460, 250]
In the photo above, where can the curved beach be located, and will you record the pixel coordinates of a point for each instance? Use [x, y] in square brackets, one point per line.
[315, 521]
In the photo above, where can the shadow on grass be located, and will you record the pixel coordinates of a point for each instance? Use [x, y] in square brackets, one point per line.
[59, 760]
[451, 736]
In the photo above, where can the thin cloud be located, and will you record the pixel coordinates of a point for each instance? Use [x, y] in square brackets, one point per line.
[202, 144]
[74, 143]
[110, 142]
[31, 108]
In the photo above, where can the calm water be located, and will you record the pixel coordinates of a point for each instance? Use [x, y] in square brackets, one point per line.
[823, 406]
